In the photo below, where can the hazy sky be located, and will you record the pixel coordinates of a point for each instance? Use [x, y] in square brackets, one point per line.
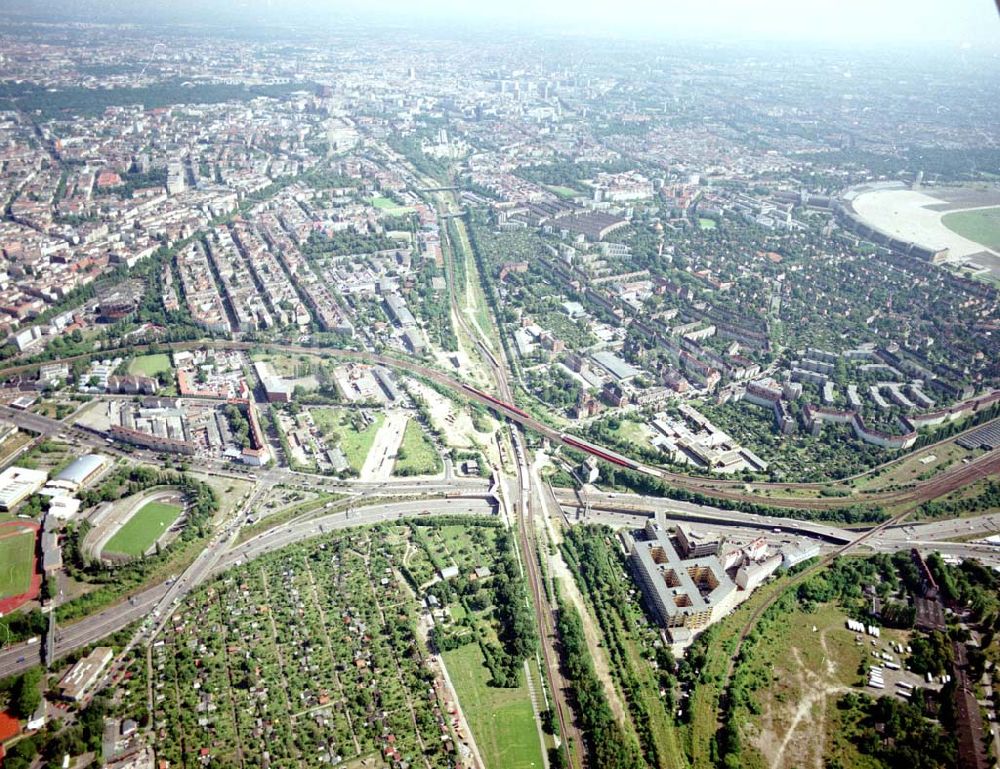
[887, 22]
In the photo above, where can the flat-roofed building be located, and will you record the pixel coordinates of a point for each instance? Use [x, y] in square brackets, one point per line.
[683, 593]
[276, 389]
[696, 544]
[399, 312]
[19, 483]
[618, 368]
[80, 679]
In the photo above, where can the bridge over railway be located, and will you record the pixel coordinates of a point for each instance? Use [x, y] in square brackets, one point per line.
[718, 488]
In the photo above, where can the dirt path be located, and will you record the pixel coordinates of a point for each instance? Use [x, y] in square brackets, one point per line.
[452, 419]
[462, 729]
[382, 456]
[815, 689]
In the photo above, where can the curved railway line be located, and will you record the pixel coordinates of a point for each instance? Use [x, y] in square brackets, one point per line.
[796, 580]
[728, 489]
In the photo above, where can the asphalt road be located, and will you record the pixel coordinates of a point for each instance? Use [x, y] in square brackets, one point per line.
[82, 633]
[932, 488]
[927, 537]
[296, 531]
[215, 560]
[608, 502]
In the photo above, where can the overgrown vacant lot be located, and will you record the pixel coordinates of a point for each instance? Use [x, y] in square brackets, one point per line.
[800, 696]
[416, 455]
[348, 430]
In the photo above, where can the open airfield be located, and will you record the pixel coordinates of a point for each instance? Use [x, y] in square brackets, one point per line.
[929, 218]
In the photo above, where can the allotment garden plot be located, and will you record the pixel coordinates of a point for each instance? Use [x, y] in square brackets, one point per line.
[310, 656]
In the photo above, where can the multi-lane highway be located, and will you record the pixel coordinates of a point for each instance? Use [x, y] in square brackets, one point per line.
[220, 555]
[733, 489]
[628, 503]
[631, 509]
[296, 531]
[612, 509]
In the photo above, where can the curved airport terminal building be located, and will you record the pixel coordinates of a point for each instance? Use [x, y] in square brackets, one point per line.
[854, 212]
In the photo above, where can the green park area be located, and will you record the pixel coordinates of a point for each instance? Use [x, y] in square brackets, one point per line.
[143, 529]
[707, 224]
[390, 206]
[982, 225]
[634, 433]
[501, 719]
[563, 192]
[17, 558]
[349, 429]
[416, 455]
[149, 365]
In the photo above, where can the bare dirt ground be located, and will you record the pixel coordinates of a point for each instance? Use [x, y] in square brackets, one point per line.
[382, 456]
[793, 731]
[453, 420]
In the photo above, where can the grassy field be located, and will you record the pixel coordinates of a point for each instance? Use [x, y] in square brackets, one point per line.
[704, 702]
[390, 206]
[501, 720]
[143, 529]
[473, 288]
[633, 432]
[982, 226]
[12, 444]
[149, 365]
[288, 365]
[417, 455]
[707, 224]
[563, 192]
[17, 553]
[805, 667]
[912, 469]
[355, 443]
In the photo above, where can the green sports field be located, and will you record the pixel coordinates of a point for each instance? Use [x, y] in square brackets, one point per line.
[502, 720]
[143, 529]
[390, 206]
[982, 226]
[17, 558]
[149, 365]
[563, 192]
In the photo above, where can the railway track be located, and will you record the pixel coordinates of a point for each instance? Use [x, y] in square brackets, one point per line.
[796, 580]
[544, 612]
[920, 491]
